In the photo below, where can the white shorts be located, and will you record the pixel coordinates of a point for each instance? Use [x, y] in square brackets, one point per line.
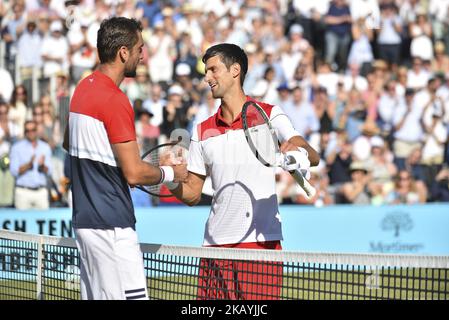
[111, 266]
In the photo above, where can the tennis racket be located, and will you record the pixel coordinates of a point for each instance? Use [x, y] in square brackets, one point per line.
[263, 142]
[153, 157]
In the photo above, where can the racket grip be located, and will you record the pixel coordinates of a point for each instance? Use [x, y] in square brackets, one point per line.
[305, 185]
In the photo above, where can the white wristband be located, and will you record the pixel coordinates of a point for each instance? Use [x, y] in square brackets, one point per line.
[168, 175]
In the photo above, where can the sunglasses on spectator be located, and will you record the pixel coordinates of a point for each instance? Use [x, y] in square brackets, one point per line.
[30, 130]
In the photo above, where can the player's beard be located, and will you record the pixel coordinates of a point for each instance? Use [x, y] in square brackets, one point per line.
[131, 72]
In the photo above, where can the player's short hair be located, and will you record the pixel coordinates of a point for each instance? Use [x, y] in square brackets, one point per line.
[229, 54]
[115, 33]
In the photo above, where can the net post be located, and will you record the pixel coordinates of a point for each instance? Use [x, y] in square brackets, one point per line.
[40, 249]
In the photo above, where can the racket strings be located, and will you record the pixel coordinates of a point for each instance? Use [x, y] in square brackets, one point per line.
[261, 137]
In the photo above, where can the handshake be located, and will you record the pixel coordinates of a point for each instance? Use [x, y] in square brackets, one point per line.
[296, 160]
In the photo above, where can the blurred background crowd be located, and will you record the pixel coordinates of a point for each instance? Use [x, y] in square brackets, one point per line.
[366, 82]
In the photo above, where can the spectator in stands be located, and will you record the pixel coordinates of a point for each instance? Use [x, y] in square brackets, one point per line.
[55, 51]
[387, 105]
[389, 35]
[137, 88]
[338, 33]
[414, 166]
[207, 108]
[435, 137]
[174, 113]
[6, 179]
[338, 156]
[30, 165]
[148, 10]
[407, 190]
[155, 104]
[353, 79]
[147, 133]
[361, 52]
[383, 169]
[421, 45]
[417, 76]
[162, 53]
[29, 49]
[51, 129]
[351, 114]
[362, 148]
[18, 110]
[356, 191]
[407, 132]
[283, 96]
[9, 131]
[7, 86]
[13, 28]
[440, 64]
[324, 109]
[302, 114]
[440, 187]
[82, 40]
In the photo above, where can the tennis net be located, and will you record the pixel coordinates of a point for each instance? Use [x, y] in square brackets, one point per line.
[44, 267]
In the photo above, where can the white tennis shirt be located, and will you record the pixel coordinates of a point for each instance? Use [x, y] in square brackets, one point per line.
[244, 206]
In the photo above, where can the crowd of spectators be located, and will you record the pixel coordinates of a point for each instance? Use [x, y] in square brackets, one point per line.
[366, 82]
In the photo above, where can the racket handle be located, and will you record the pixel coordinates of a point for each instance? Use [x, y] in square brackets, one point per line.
[305, 185]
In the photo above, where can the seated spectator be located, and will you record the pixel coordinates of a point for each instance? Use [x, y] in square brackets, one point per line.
[362, 145]
[440, 187]
[414, 166]
[30, 165]
[356, 191]
[383, 169]
[407, 190]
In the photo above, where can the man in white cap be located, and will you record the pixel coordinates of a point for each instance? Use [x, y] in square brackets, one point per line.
[55, 50]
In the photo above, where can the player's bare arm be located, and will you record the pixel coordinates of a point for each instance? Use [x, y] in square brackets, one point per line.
[189, 192]
[297, 141]
[138, 172]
